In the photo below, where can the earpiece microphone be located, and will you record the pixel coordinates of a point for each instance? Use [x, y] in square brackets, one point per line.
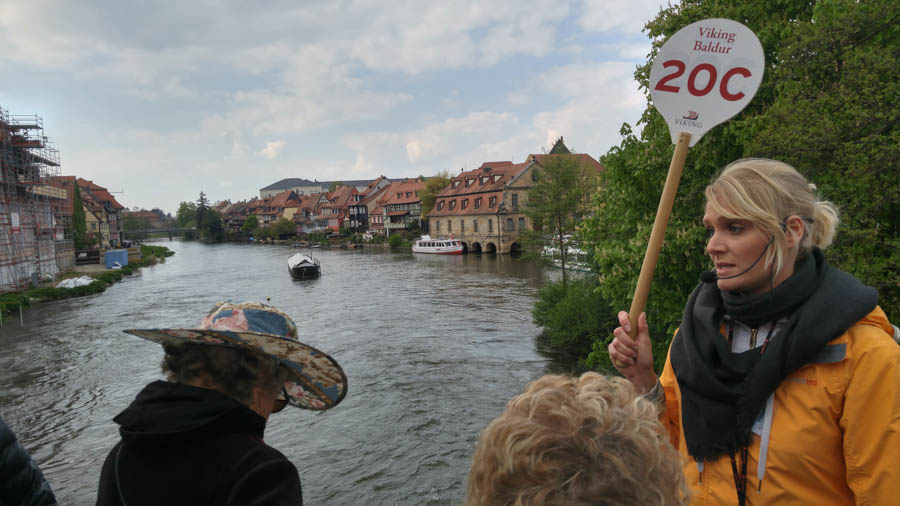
[710, 276]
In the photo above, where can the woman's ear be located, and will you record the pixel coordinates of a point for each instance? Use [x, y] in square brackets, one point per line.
[794, 230]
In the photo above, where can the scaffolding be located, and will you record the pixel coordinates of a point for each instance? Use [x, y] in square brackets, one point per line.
[35, 229]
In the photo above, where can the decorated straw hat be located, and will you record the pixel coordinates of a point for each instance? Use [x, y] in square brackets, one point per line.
[316, 381]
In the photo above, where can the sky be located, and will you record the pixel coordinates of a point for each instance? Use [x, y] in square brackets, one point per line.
[162, 100]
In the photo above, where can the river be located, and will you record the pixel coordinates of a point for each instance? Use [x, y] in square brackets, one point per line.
[433, 348]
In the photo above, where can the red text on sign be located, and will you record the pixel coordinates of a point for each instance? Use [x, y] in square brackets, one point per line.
[680, 67]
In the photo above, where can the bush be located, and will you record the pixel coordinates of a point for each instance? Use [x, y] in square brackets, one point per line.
[573, 316]
[395, 241]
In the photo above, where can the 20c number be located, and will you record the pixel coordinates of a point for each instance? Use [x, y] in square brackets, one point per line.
[708, 68]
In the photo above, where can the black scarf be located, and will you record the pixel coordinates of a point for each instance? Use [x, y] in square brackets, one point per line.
[722, 393]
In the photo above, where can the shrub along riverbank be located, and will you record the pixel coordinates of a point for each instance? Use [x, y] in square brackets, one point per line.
[150, 255]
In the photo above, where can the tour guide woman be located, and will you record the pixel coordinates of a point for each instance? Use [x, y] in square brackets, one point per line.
[782, 385]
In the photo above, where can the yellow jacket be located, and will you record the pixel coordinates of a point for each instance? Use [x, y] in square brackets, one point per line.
[835, 429]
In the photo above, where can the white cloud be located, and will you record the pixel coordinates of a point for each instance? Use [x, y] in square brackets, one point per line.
[272, 149]
[624, 17]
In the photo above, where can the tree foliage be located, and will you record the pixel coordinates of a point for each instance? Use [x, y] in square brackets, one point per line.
[433, 185]
[828, 105]
[557, 203]
[573, 316]
[135, 227]
[282, 228]
[201, 209]
[211, 229]
[79, 221]
[186, 216]
[250, 224]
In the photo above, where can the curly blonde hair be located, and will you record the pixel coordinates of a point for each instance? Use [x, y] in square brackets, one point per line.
[576, 441]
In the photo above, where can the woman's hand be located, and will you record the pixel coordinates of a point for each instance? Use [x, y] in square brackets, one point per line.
[633, 357]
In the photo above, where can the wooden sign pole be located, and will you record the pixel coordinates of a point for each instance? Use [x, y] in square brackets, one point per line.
[659, 231]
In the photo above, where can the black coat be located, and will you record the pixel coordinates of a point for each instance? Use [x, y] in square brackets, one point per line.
[188, 445]
[21, 482]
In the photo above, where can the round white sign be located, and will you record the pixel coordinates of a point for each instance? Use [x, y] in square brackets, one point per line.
[705, 74]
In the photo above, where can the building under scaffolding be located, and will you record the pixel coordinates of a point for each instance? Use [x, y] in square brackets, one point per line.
[35, 236]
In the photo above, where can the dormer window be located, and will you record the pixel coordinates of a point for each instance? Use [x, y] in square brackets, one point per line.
[477, 202]
[465, 203]
[399, 195]
[492, 202]
[483, 180]
[455, 183]
[496, 177]
[452, 205]
[408, 194]
[440, 205]
[469, 182]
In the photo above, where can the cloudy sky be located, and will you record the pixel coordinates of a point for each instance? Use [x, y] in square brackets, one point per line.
[164, 99]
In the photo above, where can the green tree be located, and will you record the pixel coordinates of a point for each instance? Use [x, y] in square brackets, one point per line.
[250, 224]
[825, 105]
[186, 216]
[433, 186]
[211, 229]
[79, 221]
[135, 227]
[282, 228]
[201, 209]
[557, 203]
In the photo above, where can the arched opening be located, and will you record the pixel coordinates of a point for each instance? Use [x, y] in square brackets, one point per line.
[490, 248]
[476, 247]
[515, 250]
[465, 247]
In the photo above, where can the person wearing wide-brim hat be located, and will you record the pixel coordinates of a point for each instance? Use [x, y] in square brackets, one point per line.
[197, 438]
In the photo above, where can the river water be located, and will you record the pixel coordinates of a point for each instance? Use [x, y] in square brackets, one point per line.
[433, 348]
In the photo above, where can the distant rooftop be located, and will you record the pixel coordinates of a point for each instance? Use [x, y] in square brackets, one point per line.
[289, 183]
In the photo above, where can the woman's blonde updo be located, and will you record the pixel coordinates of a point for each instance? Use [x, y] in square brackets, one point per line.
[767, 192]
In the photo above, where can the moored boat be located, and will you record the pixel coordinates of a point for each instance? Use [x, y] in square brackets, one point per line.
[303, 266]
[426, 244]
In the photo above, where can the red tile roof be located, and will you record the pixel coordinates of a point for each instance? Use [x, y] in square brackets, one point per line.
[403, 192]
[101, 193]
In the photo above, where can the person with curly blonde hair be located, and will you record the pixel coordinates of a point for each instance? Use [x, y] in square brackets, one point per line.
[576, 441]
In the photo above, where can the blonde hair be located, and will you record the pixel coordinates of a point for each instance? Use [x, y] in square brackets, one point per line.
[767, 192]
[576, 441]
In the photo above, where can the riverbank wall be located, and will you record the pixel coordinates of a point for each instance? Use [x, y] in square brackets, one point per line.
[150, 255]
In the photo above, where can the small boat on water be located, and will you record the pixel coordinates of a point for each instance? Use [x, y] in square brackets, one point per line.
[303, 266]
[426, 244]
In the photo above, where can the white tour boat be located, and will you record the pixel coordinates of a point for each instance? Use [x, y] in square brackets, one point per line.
[426, 244]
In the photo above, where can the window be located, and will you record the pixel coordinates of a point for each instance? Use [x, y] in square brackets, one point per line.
[492, 202]
[455, 183]
[462, 226]
[521, 223]
[490, 225]
[465, 203]
[408, 194]
[449, 226]
[477, 202]
[475, 225]
[515, 200]
[440, 205]
[469, 182]
[483, 180]
[452, 204]
[437, 225]
[509, 225]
